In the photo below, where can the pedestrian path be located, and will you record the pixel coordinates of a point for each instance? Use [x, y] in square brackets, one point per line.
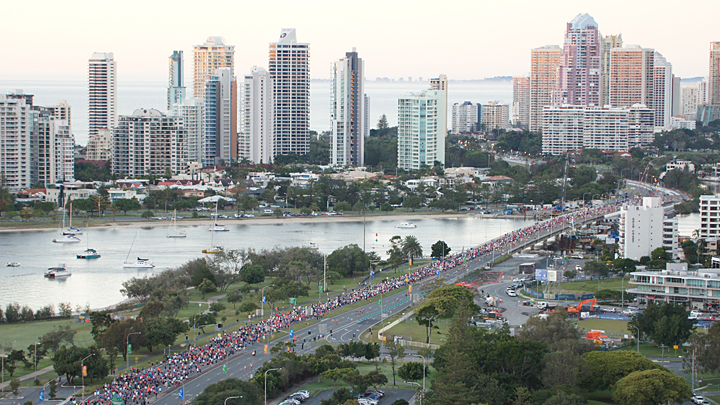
[29, 376]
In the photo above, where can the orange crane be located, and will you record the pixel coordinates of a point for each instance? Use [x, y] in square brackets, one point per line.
[579, 307]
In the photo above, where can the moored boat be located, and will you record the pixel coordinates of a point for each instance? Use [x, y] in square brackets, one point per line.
[60, 271]
[406, 225]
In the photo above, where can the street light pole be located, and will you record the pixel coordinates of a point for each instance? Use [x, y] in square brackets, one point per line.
[127, 352]
[423, 372]
[226, 399]
[82, 373]
[35, 344]
[638, 338]
[266, 371]
[2, 360]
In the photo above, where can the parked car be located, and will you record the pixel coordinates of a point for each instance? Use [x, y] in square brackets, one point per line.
[377, 392]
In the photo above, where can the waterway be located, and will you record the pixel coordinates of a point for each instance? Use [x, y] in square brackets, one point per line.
[98, 281]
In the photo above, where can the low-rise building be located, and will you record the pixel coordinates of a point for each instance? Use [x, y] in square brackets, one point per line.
[676, 284]
[680, 122]
[680, 165]
[115, 194]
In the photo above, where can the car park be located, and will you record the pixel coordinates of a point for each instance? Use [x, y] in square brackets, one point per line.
[293, 400]
[298, 397]
[304, 393]
[376, 392]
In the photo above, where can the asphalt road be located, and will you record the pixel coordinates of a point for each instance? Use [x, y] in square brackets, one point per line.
[391, 395]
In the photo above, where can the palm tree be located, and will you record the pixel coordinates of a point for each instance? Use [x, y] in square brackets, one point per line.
[411, 247]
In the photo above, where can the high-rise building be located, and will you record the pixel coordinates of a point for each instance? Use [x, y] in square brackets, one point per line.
[465, 117]
[641, 228]
[255, 140]
[632, 72]
[102, 92]
[714, 76]
[347, 111]
[663, 83]
[494, 115]
[441, 83]
[99, 147]
[192, 110]
[709, 216]
[220, 137]
[366, 100]
[421, 129]
[53, 148]
[521, 102]
[578, 76]
[608, 43]
[544, 62]
[61, 111]
[690, 97]
[290, 72]
[214, 54]
[176, 81]
[702, 92]
[149, 142]
[569, 128]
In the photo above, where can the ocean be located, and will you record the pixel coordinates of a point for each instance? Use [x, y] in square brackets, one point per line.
[133, 95]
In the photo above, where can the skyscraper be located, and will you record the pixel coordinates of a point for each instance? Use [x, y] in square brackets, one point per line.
[421, 129]
[16, 124]
[208, 58]
[441, 83]
[176, 82]
[290, 72]
[663, 82]
[192, 110]
[220, 138]
[255, 140]
[465, 117]
[102, 92]
[521, 102]
[690, 97]
[714, 76]
[578, 76]
[632, 81]
[53, 148]
[544, 62]
[347, 146]
[494, 116]
[608, 43]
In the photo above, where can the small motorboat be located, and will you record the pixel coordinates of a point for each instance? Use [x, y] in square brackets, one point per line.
[89, 254]
[214, 250]
[12, 264]
[218, 228]
[406, 225]
[57, 272]
[139, 264]
[73, 231]
[67, 239]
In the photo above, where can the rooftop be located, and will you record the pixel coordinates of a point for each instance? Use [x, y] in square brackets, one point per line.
[582, 21]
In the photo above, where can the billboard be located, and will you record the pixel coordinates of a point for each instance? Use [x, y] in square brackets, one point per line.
[541, 275]
[552, 275]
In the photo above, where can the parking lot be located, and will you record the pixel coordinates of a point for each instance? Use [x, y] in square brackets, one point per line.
[391, 395]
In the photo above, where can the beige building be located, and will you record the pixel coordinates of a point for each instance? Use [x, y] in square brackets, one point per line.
[690, 98]
[102, 92]
[494, 116]
[608, 43]
[521, 102]
[208, 58]
[544, 62]
[16, 124]
[714, 76]
[99, 146]
[441, 83]
[632, 76]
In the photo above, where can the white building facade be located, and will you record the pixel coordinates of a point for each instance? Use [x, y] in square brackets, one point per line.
[465, 117]
[347, 111]
[255, 140]
[641, 228]
[192, 111]
[421, 129]
[102, 92]
[709, 216]
[16, 126]
[220, 109]
[494, 116]
[662, 92]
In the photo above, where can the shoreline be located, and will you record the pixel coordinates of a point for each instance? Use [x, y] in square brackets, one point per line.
[266, 220]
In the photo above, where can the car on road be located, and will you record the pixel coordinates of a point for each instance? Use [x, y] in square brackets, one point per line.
[304, 393]
[577, 256]
[293, 401]
[299, 397]
[578, 267]
[699, 399]
[367, 401]
[511, 293]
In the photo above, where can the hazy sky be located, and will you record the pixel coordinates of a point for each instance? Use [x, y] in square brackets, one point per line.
[465, 39]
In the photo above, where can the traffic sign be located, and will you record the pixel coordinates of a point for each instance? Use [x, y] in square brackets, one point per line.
[293, 301]
[129, 348]
[292, 332]
[225, 368]
[264, 299]
[42, 396]
[266, 349]
[372, 273]
[117, 400]
[181, 393]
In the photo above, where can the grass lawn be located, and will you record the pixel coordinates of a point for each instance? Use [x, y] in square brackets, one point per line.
[651, 350]
[715, 398]
[21, 335]
[591, 286]
[318, 384]
[611, 327]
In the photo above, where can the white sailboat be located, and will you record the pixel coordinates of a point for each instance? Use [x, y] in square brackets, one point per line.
[139, 263]
[67, 239]
[175, 233]
[213, 249]
[406, 225]
[71, 230]
[215, 227]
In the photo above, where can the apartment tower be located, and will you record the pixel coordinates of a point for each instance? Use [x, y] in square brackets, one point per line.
[714, 76]
[347, 106]
[663, 91]
[608, 43]
[578, 76]
[102, 92]
[421, 129]
[465, 117]
[441, 83]
[632, 71]
[214, 54]
[176, 82]
[290, 72]
[255, 141]
[220, 137]
[521, 102]
[544, 62]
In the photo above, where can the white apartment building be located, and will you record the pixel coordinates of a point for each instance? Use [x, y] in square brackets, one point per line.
[61, 111]
[544, 62]
[441, 83]
[662, 91]
[690, 101]
[494, 116]
[671, 237]
[16, 126]
[695, 289]
[290, 72]
[99, 146]
[53, 149]
[220, 109]
[149, 142]
[679, 164]
[681, 123]
[465, 117]
[192, 110]
[102, 92]
[521, 102]
[255, 140]
[710, 216]
[421, 129]
[569, 128]
[347, 111]
[641, 228]
[214, 54]
[176, 80]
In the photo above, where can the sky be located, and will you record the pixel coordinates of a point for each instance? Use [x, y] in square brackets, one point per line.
[465, 39]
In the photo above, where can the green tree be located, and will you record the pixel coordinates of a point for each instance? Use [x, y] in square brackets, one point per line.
[15, 386]
[217, 393]
[248, 307]
[55, 338]
[706, 350]
[163, 331]
[118, 333]
[411, 371]
[664, 323]
[395, 253]
[126, 204]
[411, 247]
[651, 387]
[412, 202]
[396, 352]
[252, 274]
[596, 268]
[348, 260]
[607, 368]
[382, 123]
[440, 249]
[147, 214]
[207, 287]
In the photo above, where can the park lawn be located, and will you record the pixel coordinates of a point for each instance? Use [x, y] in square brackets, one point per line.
[593, 286]
[715, 398]
[411, 330]
[319, 384]
[651, 350]
[611, 327]
[23, 334]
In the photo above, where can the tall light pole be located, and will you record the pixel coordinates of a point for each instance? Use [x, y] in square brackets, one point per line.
[2, 361]
[127, 352]
[82, 373]
[226, 399]
[638, 338]
[35, 344]
[266, 371]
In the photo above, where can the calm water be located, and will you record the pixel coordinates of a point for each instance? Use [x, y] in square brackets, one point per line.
[98, 281]
[133, 95]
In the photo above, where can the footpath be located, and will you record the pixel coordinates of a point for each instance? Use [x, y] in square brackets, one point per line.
[30, 376]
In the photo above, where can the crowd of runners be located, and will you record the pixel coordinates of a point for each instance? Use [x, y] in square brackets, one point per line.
[141, 385]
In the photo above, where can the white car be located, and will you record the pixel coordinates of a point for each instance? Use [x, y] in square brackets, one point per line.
[511, 293]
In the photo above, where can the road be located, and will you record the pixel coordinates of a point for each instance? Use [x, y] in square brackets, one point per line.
[391, 395]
